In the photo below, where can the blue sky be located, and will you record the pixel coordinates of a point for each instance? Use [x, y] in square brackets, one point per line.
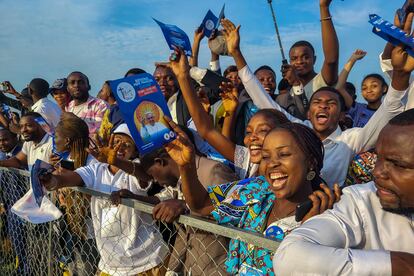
[104, 38]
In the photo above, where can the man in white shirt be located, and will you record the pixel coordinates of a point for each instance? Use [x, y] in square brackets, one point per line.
[151, 127]
[50, 111]
[37, 145]
[326, 108]
[371, 230]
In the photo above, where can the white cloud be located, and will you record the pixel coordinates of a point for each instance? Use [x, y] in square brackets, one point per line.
[52, 38]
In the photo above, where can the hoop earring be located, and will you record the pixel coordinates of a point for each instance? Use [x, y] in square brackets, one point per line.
[311, 175]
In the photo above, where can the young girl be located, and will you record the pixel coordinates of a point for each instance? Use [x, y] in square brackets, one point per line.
[372, 89]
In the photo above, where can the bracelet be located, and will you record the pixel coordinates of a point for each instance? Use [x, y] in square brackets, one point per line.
[326, 18]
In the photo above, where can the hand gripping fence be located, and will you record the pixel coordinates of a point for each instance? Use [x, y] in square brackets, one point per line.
[68, 246]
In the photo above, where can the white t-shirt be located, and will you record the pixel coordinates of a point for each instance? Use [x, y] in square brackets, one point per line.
[49, 110]
[41, 151]
[127, 240]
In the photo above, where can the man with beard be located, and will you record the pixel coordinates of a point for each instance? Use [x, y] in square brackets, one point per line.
[37, 145]
[30, 243]
[370, 231]
[86, 107]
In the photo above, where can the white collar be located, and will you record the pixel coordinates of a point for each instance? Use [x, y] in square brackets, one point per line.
[333, 136]
[39, 102]
[42, 142]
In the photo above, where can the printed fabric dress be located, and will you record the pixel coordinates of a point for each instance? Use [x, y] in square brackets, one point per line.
[247, 204]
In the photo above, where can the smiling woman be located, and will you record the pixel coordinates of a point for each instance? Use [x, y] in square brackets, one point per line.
[292, 157]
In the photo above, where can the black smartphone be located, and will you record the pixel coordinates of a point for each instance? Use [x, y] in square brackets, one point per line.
[68, 165]
[302, 209]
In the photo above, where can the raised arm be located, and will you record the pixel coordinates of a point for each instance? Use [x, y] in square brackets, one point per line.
[204, 125]
[343, 76]
[107, 154]
[252, 85]
[61, 179]
[330, 44]
[403, 64]
[198, 36]
[230, 102]
[181, 151]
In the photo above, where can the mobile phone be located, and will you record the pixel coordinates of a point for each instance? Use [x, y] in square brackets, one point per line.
[302, 209]
[68, 165]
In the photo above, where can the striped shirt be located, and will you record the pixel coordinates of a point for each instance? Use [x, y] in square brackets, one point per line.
[92, 112]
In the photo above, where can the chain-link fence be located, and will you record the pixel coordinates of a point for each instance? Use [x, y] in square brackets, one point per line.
[117, 240]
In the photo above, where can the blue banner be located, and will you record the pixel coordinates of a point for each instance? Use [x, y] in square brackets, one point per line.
[143, 107]
[175, 37]
[391, 33]
[209, 23]
[39, 168]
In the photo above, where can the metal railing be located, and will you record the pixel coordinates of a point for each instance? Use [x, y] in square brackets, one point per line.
[68, 246]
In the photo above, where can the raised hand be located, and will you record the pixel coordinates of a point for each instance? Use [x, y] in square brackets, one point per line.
[358, 55]
[323, 200]
[289, 73]
[232, 35]
[105, 153]
[181, 150]
[229, 97]
[10, 89]
[198, 34]
[205, 102]
[400, 59]
[179, 63]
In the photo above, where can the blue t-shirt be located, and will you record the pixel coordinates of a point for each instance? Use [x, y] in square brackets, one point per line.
[360, 114]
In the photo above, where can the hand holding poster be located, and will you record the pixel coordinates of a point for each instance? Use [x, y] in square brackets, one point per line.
[175, 37]
[38, 168]
[143, 107]
[391, 33]
[211, 22]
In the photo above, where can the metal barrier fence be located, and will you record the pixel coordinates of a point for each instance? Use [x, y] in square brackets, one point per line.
[118, 246]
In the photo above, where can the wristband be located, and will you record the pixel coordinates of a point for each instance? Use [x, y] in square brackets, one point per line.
[326, 18]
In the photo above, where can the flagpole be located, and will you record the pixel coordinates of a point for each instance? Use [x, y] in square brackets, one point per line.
[284, 61]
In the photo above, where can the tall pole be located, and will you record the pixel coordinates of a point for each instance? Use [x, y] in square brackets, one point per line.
[284, 61]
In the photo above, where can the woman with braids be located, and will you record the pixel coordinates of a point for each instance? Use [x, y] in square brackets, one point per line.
[292, 158]
[72, 138]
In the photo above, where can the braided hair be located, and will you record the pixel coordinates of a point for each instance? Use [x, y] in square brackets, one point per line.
[311, 146]
[77, 204]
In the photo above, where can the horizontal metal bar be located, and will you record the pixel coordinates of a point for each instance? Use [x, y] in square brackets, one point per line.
[17, 171]
[189, 220]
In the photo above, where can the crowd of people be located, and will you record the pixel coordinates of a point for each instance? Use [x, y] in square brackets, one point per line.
[299, 161]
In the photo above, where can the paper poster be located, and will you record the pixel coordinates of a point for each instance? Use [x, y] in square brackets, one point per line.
[391, 33]
[143, 107]
[38, 168]
[175, 37]
[211, 22]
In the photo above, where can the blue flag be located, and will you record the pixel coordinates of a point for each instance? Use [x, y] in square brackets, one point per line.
[38, 168]
[143, 107]
[209, 23]
[391, 33]
[175, 37]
